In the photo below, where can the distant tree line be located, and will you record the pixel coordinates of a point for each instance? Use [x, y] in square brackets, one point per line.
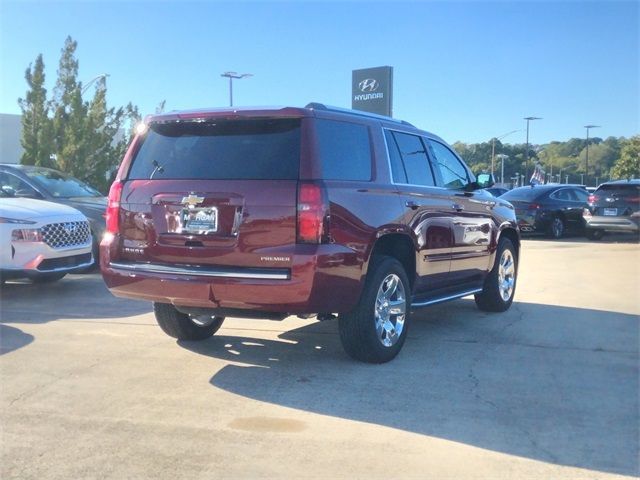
[611, 158]
[85, 138]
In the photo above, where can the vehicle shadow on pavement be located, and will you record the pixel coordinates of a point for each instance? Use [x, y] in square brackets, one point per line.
[75, 296]
[12, 338]
[549, 383]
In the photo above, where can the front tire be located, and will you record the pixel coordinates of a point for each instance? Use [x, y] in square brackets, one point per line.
[375, 330]
[500, 285]
[185, 327]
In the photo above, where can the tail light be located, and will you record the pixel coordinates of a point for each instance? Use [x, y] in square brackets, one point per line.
[593, 199]
[312, 213]
[113, 207]
[533, 206]
[633, 199]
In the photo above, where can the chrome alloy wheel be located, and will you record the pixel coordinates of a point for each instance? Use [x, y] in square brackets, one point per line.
[203, 320]
[390, 310]
[557, 227]
[506, 275]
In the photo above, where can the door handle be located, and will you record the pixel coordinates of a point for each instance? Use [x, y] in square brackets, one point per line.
[411, 204]
[457, 207]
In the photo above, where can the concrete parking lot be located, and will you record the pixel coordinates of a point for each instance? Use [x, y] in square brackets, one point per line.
[91, 387]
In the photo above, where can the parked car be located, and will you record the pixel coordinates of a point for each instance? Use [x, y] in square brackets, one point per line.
[552, 209]
[497, 191]
[41, 240]
[266, 213]
[613, 207]
[47, 184]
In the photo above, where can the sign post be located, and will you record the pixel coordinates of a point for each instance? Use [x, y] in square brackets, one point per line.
[372, 90]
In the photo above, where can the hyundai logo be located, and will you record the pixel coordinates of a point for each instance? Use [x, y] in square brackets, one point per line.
[368, 85]
[70, 228]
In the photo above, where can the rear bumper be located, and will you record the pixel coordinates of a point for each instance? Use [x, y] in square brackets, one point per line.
[319, 279]
[613, 224]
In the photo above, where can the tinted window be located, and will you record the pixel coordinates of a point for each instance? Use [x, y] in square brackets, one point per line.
[581, 195]
[397, 169]
[242, 149]
[563, 195]
[524, 194]
[452, 172]
[19, 186]
[345, 151]
[414, 158]
[60, 185]
[619, 190]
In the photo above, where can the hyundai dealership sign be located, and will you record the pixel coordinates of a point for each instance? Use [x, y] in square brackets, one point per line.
[372, 90]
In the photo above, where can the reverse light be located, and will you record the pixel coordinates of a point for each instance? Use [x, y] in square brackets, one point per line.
[313, 213]
[112, 215]
[26, 235]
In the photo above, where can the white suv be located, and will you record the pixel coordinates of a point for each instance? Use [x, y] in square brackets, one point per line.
[41, 240]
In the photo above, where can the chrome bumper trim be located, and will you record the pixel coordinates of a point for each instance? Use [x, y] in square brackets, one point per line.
[216, 272]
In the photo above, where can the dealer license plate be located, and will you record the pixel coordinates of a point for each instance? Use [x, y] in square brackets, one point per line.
[200, 220]
[611, 211]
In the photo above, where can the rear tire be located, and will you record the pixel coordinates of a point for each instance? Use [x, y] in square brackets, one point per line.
[185, 327]
[375, 330]
[557, 227]
[500, 285]
[593, 234]
[47, 277]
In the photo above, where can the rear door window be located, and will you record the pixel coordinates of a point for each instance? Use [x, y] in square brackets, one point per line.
[345, 150]
[239, 149]
[415, 163]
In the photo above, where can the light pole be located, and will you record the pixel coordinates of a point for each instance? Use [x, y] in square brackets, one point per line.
[502, 156]
[493, 147]
[97, 77]
[586, 160]
[231, 76]
[526, 163]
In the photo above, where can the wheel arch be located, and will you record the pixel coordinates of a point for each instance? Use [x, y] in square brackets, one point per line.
[399, 246]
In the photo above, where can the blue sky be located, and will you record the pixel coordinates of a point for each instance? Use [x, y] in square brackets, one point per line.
[467, 71]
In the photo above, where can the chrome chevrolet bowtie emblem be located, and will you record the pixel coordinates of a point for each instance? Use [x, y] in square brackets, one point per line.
[192, 200]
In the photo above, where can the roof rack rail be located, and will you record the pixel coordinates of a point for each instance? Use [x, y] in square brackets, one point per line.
[330, 108]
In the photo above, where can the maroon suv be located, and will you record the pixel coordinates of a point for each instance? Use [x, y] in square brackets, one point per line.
[265, 213]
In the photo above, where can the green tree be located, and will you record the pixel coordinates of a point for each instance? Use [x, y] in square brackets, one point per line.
[37, 133]
[628, 166]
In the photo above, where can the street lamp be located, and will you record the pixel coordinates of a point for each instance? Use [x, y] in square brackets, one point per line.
[526, 164]
[502, 156]
[97, 77]
[231, 76]
[493, 146]
[586, 160]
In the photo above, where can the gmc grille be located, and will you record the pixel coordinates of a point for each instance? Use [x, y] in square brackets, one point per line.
[68, 234]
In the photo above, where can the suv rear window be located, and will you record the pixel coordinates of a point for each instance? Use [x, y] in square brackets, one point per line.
[226, 150]
[618, 190]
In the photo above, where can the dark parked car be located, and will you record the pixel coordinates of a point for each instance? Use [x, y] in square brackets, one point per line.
[265, 213]
[613, 207]
[550, 209]
[48, 184]
[497, 191]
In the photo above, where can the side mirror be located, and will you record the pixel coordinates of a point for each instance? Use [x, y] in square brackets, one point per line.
[485, 180]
